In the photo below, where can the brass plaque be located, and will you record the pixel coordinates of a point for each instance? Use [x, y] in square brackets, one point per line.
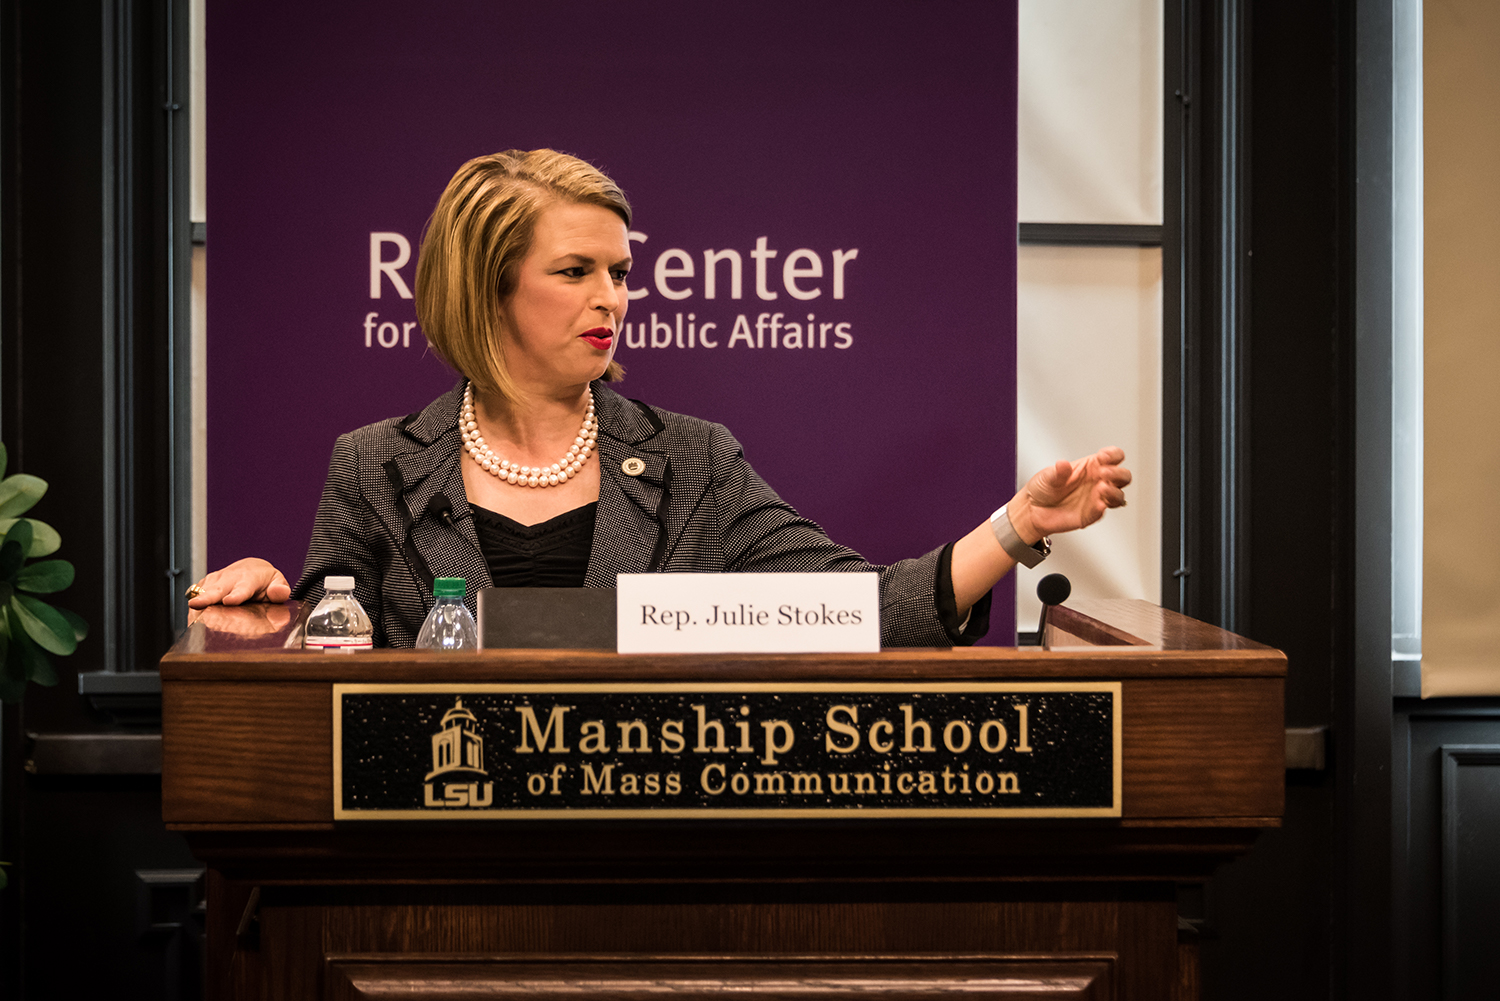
[713, 750]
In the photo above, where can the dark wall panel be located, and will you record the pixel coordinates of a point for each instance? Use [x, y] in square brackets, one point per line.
[1471, 867]
[1272, 914]
[86, 314]
[89, 913]
[54, 396]
[1450, 871]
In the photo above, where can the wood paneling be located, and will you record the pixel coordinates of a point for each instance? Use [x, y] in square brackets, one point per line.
[1121, 939]
[825, 908]
[1017, 978]
[1068, 627]
[1189, 984]
[261, 752]
[1201, 749]
[692, 853]
[1177, 647]
[247, 751]
[1161, 627]
[967, 664]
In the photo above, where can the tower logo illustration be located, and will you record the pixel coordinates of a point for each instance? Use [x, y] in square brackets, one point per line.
[458, 751]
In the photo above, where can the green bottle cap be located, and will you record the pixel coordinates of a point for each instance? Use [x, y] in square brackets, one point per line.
[448, 587]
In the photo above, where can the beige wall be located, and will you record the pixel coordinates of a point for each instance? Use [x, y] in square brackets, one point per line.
[1088, 351]
[1088, 354]
[1461, 538]
[1090, 111]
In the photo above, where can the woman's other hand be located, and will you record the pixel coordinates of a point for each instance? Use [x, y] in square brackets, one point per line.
[1070, 495]
[250, 579]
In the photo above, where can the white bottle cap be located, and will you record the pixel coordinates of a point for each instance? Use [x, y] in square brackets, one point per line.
[338, 583]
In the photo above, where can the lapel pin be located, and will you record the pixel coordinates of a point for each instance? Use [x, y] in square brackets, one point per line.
[633, 466]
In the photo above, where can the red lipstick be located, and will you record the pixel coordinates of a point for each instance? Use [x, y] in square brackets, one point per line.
[599, 337]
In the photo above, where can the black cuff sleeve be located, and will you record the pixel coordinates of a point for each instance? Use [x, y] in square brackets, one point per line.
[947, 605]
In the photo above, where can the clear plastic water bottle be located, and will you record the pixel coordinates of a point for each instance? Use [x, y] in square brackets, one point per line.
[338, 624]
[449, 625]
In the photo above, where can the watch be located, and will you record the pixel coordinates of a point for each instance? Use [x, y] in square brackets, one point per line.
[1005, 534]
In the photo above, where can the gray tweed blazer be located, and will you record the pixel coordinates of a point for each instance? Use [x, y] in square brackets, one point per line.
[394, 516]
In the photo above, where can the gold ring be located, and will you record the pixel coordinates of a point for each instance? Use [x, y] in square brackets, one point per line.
[194, 591]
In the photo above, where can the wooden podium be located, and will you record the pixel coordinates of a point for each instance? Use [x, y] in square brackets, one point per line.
[301, 906]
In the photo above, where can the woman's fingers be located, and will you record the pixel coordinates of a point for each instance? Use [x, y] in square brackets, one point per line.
[1052, 486]
[210, 590]
[245, 580]
[1107, 468]
[1071, 495]
[1113, 496]
[278, 590]
[243, 590]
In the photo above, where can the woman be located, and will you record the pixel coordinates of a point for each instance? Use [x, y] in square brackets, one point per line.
[533, 471]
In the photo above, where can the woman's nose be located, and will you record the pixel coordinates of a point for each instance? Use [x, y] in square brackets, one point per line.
[608, 298]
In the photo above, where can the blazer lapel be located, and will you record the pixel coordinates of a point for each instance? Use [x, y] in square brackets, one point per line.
[449, 547]
[628, 529]
[629, 536]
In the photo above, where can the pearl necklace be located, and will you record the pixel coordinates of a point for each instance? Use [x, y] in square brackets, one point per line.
[560, 471]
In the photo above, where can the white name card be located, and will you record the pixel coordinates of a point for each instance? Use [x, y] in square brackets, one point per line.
[748, 612]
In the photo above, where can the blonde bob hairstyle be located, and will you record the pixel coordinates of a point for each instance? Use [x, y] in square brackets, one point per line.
[475, 241]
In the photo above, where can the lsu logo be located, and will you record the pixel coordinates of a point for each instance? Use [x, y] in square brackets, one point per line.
[458, 751]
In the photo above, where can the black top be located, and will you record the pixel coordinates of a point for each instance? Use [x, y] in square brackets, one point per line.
[697, 507]
[552, 553]
[555, 553]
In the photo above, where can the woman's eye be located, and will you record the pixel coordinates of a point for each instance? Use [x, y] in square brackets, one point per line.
[577, 272]
[619, 274]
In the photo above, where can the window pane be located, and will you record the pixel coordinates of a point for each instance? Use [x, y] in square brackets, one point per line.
[1091, 111]
[1089, 357]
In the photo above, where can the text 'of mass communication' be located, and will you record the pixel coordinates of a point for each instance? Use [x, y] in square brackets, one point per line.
[804, 276]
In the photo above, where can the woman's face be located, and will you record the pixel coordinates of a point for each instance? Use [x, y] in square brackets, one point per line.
[563, 320]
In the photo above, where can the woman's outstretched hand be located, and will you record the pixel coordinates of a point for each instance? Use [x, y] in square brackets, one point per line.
[1061, 498]
[1071, 495]
[250, 579]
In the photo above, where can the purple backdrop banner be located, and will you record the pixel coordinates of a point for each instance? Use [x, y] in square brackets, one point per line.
[824, 236]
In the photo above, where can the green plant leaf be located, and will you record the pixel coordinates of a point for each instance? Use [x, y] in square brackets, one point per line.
[29, 662]
[18, 493]
[39, 667]
[4, 461]
[44, 625]
[18, 539]
[80, 627]
[46, 577]
[44, 538]
[12, 554]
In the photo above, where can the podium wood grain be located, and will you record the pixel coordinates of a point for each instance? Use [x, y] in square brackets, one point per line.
[301, 907]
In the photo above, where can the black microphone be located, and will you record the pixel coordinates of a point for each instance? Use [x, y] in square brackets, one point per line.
[1052, 589]
[441, 507]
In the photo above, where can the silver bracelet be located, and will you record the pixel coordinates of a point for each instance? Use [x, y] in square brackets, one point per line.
[1018, 550]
